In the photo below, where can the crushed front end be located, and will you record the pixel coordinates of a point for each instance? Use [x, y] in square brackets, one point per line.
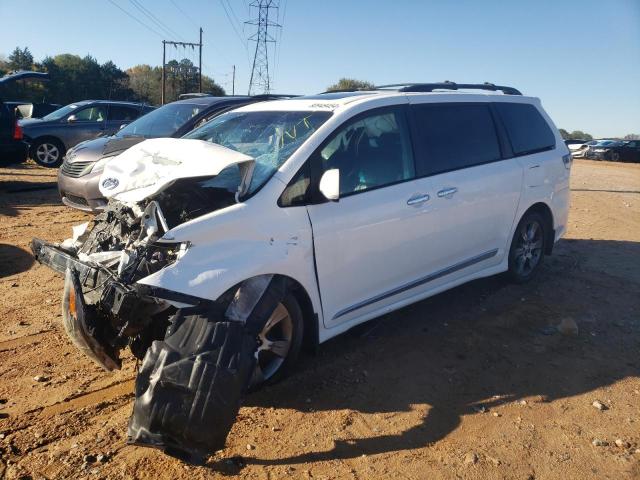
[197, 354]
[104, 309]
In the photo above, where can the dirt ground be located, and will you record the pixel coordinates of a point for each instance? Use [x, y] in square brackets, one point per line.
[469, 384]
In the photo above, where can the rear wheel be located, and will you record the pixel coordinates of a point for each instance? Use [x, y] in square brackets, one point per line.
[48, 152]
[527, 248]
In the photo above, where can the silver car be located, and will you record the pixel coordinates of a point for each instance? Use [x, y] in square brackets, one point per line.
[51, 136]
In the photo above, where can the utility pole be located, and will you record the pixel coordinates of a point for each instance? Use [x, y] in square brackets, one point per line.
[233, 81]
[164, 63]
[190, 72]
[260, 70]
[200, 65]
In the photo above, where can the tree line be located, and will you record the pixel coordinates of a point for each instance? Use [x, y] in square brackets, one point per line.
[74, 78]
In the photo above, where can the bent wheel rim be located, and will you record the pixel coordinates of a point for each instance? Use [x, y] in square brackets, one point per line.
[528, 248]
[274, 344]
[47, 153]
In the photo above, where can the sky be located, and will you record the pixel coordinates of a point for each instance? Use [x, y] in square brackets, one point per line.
[582, 58]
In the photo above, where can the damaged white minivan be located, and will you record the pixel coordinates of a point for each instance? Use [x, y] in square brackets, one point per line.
[286, 223]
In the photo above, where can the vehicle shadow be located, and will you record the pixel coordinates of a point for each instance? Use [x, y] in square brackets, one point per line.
[14, 260]
[470, 350]
[17, 195]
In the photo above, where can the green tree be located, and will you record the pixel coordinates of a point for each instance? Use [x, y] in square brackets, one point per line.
[20, 59]
[350, 84]
[575, 135]
[632, 136]
[580, 135]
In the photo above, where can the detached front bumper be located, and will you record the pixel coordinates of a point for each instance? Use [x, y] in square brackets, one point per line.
[82, 322]
[100, 312]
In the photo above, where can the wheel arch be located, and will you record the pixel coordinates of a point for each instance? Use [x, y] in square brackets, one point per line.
[545, 212]
[35, 140]
[311, 326]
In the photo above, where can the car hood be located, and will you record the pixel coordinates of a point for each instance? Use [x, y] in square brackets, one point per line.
[101, 147]
[576, 146]
[153, 165]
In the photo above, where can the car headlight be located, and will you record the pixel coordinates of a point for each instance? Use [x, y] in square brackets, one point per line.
[99, 165]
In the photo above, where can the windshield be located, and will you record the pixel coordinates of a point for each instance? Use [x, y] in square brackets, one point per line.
[269, 137]
[162, 122]
[61, 112]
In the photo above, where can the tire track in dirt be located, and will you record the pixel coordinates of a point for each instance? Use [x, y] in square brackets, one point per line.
[94, 397]
[21, 341]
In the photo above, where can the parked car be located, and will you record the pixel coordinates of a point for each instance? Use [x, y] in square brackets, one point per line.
[78, 177]
[580, 150]
[13, 148]
[619, 151]
[288, 222]
[51, 136]
[601, 148]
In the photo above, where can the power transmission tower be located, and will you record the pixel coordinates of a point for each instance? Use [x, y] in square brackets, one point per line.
[260, 81]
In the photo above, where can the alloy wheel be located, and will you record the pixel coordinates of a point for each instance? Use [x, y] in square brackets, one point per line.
[528, 251]
[47, 153]
[274, 344]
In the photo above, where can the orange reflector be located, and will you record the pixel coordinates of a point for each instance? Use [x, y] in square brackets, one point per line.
[72, 302]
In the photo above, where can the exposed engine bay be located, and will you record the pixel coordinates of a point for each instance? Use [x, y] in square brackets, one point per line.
[104, 261]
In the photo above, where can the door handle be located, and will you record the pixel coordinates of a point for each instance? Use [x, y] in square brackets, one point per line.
[418, 199]
[447, 192]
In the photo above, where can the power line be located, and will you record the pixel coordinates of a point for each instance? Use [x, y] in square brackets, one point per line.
[134, 18]
[183, 13]
[147, 13]
[278, 45]
[233, 25]
[233, 12]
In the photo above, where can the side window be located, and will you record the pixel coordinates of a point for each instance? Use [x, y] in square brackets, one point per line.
[97, 113]
[527, 129]
[453, 136]
[371, 151]
[119, 112]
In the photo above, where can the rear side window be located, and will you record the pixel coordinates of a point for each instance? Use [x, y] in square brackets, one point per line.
[453, 136]
[118, 112]
[527, 129]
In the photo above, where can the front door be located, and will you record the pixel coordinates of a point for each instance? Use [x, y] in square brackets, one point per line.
[367, 243]
[89, 123]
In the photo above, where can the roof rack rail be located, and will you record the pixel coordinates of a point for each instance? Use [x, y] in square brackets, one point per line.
[447, 85]
[274, 95]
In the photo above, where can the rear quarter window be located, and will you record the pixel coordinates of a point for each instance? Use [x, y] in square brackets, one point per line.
[528, 131]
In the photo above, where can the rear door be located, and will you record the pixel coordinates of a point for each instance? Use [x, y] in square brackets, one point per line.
[120, 115]
[475, 190]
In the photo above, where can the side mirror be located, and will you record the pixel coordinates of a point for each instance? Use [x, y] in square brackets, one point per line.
[72, 118]
[122, 126]
[330, 184]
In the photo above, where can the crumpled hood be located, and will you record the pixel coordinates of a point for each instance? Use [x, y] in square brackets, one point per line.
[151, 166]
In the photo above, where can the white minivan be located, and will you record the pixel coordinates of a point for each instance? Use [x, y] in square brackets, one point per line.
[286, 223]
